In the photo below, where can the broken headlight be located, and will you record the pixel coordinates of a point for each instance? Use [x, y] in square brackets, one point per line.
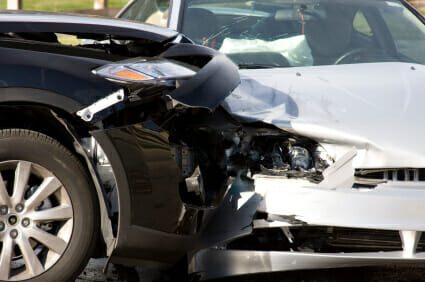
[145, 71]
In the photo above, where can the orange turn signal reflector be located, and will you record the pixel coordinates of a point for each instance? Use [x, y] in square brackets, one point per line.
[131, 75]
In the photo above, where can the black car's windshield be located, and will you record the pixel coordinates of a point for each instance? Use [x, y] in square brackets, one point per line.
[289, 33]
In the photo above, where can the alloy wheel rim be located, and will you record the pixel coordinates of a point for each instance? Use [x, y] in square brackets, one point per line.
[36, 220]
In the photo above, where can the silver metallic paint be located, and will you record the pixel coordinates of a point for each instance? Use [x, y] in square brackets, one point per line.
[375, 107]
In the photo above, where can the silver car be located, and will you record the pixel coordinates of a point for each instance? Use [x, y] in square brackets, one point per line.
[346, 74]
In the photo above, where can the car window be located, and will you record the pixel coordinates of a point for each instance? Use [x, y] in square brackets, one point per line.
[276, 33]
[361, 25]
[407, 31]
[153, 12]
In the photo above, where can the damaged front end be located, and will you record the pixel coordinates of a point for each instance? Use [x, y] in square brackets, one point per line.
[340, 185]
[312, 211]
[240, 197]
[146, 151]
[182, 176]
[179, 175]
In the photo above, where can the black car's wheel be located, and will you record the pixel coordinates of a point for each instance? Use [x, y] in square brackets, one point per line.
[48, 212]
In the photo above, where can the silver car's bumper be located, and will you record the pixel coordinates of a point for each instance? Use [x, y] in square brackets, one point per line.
[222, 263]
[394, 206]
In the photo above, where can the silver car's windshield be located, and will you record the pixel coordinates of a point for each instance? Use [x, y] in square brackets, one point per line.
[289, 33]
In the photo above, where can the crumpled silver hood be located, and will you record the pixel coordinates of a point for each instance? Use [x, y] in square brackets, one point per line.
[379, 108]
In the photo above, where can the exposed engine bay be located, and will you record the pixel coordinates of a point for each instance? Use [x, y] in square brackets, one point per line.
[214, 150]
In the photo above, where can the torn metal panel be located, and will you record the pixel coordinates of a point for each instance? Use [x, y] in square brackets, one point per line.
[233, 218]
[340, 173]
[342, 107]
[262, 223]
[395, 206]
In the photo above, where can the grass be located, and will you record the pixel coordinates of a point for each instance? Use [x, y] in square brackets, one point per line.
[63, 5]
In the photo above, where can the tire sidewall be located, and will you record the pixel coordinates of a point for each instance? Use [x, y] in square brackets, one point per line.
[47, 153]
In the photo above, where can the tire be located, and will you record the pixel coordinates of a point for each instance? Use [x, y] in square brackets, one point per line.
[51, 165]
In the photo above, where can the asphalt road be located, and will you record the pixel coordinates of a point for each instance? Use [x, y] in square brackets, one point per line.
[93, 273]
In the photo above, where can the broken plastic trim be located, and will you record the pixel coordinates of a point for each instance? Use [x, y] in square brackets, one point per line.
[88, 113]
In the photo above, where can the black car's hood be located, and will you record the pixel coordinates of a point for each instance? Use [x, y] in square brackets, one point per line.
[377, 108]
[51, 22]
[67, 71]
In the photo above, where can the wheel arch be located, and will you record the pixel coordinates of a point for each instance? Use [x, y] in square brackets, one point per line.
[55, 120]
[38, 96]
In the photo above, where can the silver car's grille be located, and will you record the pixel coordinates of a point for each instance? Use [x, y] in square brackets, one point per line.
[399, 174]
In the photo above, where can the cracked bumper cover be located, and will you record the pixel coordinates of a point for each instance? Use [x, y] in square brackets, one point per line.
[394, 206]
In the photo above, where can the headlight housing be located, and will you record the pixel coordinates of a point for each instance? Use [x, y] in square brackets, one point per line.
[145, 71]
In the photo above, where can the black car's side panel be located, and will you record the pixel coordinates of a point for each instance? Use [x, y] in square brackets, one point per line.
[55, 73]
[154, 225]
[38, 96]
[152, 174]
[149, 201]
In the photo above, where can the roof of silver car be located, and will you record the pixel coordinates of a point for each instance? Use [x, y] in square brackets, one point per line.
[26, 21]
